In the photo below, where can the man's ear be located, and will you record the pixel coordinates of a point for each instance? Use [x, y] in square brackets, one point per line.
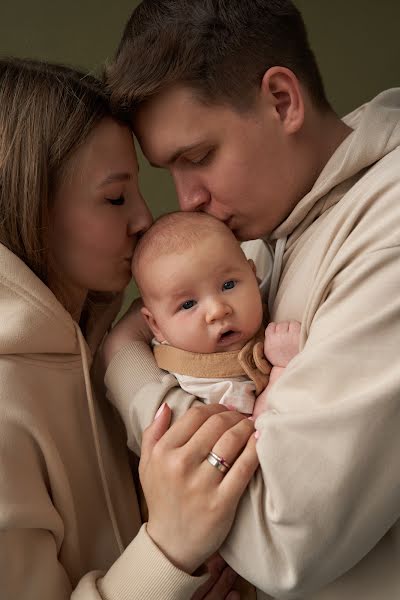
[253, 268]
[152, 323]
[281, 89]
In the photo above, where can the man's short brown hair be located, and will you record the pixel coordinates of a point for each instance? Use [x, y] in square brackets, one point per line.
[218, 48]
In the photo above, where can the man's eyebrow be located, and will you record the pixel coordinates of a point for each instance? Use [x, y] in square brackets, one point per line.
[114, 177]
[181, 150]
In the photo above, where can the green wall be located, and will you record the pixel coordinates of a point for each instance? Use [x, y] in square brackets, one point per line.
[357, 44]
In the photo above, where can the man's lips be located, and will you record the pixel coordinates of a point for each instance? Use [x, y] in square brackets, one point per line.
[228, 222]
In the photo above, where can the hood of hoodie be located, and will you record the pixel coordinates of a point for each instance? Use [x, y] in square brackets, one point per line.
[34, 322]
[32, 319]
[376, 132]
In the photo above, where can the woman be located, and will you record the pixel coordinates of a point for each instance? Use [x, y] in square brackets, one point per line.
[70, 215]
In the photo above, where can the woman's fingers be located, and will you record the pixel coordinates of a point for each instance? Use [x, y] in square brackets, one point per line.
[154, 432]
[218, 427]
[243, 468]
[231, 443]
[188, 425]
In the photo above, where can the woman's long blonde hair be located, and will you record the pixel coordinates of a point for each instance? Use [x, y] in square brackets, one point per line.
[46, 112]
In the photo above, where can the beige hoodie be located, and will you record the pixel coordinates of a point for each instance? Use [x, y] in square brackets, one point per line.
[320, 518]
[68, 508]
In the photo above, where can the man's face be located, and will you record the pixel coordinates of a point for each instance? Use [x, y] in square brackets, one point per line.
[237, 166]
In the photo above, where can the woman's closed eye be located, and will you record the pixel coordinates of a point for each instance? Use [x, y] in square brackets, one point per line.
[188, 304]
[229, 285]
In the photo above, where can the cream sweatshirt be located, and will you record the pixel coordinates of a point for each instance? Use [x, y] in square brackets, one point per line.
[320, 519]
[69, 518]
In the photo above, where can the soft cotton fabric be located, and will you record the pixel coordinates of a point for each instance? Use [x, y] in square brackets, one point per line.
[320, 520]
[70, 525]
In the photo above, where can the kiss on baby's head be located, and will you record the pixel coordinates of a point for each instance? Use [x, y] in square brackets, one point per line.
[200, 292]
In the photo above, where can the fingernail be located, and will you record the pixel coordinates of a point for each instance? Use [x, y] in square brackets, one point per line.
[230, 407]
[250, 418]
[256, 434]
[160, 410]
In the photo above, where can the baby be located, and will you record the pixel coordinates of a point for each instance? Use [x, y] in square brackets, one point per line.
[203, 304]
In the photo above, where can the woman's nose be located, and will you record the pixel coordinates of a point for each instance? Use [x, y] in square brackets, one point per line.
[140, 218]
[217, 310]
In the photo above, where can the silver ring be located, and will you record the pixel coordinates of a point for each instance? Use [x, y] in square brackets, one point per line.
[218, 462]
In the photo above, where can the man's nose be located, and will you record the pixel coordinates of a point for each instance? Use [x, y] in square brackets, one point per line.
[192, 196]
[217, 309]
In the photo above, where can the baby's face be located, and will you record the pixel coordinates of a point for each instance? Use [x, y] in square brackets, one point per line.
[204, 300]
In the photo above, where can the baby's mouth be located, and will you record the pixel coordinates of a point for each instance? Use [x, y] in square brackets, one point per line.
[228, 337]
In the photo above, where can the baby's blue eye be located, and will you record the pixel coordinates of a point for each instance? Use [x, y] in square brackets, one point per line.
[188, 304]
[229, 285]
[117, 201]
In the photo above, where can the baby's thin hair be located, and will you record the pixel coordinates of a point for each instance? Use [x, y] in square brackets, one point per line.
[174, 233]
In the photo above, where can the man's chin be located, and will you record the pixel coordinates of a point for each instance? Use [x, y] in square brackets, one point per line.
[239, 235]
[243, 236]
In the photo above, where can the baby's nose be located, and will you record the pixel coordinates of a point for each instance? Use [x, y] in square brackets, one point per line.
[217, 310]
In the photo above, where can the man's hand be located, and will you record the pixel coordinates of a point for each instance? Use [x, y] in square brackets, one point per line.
[220, 585]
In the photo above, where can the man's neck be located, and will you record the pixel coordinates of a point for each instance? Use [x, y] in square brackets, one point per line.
[329, 132]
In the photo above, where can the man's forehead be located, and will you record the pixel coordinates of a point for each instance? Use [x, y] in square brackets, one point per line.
[173, 120]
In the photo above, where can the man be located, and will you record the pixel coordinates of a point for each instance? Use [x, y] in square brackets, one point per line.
[228, 97]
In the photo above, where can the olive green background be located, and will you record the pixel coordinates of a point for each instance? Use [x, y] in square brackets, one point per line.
[357, 44]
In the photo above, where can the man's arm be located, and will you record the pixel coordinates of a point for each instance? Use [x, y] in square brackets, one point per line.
[328, 487]
[329, 443]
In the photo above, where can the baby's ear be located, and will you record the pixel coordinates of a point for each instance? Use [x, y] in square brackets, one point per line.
[253, 268]
[152, 323]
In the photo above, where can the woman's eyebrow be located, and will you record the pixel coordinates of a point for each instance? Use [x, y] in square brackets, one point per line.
[113, 177]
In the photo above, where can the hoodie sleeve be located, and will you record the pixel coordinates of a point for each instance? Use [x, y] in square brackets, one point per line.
[137, 387]
[327, 490]
[329, 448]
[32, 535]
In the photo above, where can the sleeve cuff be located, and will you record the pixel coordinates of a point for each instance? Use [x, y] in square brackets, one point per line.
[143, 571]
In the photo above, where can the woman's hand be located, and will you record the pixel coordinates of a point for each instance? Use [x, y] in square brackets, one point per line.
[191, 503]
[132, 327]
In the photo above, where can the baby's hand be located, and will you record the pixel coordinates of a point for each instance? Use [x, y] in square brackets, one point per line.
[132, 327]
[281, 342]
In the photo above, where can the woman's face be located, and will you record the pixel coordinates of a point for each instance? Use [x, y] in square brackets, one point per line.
[98, 212]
